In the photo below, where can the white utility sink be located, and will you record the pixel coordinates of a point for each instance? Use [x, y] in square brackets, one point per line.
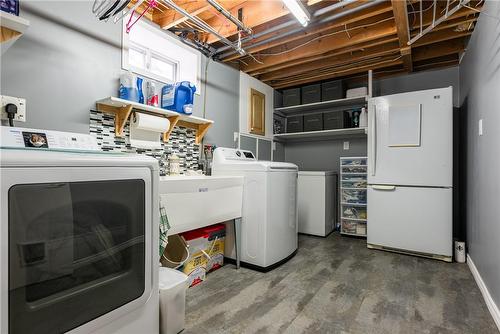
[198, 201]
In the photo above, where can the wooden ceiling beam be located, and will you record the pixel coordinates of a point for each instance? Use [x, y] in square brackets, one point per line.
[254, 14]
[332, 61]
[339, 73]
[439, 49]
[341, 51]
[293, 51]
[313, 29]
[400, 11]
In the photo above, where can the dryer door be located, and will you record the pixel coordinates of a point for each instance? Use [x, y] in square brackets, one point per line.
[76, 245]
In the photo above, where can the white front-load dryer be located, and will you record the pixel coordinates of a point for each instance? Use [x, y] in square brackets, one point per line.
[269, 220]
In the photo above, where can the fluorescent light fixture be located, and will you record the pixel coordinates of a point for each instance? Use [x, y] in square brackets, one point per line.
[298, 10]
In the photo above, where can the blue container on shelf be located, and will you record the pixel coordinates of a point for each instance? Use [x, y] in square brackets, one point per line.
[178, 97]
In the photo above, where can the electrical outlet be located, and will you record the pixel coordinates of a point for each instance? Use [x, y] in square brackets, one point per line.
[346, 145]
[21, 107]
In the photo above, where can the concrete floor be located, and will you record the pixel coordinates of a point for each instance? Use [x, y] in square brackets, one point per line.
[337, 285]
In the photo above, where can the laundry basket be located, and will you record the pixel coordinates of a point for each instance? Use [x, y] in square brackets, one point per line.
[172, 300]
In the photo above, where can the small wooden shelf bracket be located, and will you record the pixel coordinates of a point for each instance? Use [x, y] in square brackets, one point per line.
[201, 129]
[122, 115]
[173, 122]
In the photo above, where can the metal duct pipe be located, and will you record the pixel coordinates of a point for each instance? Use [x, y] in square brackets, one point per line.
[336, 5]
[204, 25]
[298, 30]
[229, 16]
[286, 25]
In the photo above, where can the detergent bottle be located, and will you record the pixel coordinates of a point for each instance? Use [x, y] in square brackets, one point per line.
[178, 97]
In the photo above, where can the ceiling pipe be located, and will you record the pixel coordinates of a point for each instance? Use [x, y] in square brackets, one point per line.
[204, 25]
[298, 30]
[286, 24]
[336, 5]
[230, 17]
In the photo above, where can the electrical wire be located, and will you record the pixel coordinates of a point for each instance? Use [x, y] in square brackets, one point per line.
[323, 36]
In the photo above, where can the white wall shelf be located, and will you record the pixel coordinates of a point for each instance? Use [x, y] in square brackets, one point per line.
[123, 108]
[322, 105]
[324, 134]
[11, 28]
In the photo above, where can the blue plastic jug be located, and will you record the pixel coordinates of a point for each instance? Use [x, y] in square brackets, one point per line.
[178, 97]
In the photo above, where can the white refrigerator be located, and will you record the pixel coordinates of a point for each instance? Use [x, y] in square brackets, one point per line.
[410, 169]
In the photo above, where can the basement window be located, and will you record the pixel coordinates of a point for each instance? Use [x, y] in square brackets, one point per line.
[153, 53]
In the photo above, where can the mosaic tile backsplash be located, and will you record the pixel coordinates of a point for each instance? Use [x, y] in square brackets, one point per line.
[181, 142]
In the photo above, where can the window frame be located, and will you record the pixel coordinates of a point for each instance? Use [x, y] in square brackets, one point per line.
[127, 44]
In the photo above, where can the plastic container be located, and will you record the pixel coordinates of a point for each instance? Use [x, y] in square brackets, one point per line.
[128, 87]
[460, 251]
[363, 118]
[173, 286]
[152, 98]
[178, 97]
[140, 92]
[216, 237]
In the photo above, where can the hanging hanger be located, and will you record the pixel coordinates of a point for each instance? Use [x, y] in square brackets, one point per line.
[108, 12]
[130, 10]
[130, 24]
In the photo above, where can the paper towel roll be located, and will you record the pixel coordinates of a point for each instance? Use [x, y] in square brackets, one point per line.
[145, 130]
[150, 123]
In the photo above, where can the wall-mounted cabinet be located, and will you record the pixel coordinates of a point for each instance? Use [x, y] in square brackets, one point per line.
[257, 112]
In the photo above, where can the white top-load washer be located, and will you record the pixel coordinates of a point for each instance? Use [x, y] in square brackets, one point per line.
[269, 218]
[78, 236]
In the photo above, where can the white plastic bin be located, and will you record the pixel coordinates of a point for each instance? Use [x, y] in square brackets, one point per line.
[172, 300]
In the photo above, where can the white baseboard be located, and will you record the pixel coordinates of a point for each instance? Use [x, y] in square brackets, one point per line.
[494, 310]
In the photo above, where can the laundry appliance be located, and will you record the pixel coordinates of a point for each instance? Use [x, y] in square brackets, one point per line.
[269, 217]
[410, 169]
[78, 236]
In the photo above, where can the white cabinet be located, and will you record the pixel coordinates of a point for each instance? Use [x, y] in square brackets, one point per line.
[353, 204]
[317, 201]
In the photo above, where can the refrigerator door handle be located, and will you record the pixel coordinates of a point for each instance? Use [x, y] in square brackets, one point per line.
[373, 137]
[386, 188]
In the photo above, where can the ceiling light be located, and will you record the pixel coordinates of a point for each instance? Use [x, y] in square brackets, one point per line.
[298, 10]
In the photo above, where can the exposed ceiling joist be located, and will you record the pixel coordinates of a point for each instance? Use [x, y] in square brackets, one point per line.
[400, 11]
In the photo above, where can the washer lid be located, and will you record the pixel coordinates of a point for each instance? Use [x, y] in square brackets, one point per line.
[317, 173]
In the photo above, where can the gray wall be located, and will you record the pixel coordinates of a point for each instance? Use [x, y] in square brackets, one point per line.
[420, 81]
[480, 99]
[323, 155]
[68, 59]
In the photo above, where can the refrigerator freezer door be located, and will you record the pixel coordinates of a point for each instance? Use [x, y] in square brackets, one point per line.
[411, 219]
[410, 138]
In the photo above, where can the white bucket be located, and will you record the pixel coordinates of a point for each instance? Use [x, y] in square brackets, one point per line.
[460, 251]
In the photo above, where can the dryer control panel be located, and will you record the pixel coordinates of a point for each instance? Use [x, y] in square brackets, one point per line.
[13, 137]
[233, 154]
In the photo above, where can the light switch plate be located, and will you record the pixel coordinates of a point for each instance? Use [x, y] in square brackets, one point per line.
[21, 107]
[480, 127]
[346, 145]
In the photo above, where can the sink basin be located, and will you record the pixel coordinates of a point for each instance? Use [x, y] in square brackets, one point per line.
[192, 202]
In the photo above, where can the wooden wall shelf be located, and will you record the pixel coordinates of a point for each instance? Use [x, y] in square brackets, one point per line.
[123, 108]
[11, 28]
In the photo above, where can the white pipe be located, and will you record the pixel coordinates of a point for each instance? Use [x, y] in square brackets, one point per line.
[229, 16]
[204, 25]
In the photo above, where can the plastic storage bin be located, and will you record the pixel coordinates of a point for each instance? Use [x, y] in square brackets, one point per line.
[313, 122]
[311, 94]
[294, 124]
[291, 97]
[332, 90]
[336, 120]
[173, 287]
